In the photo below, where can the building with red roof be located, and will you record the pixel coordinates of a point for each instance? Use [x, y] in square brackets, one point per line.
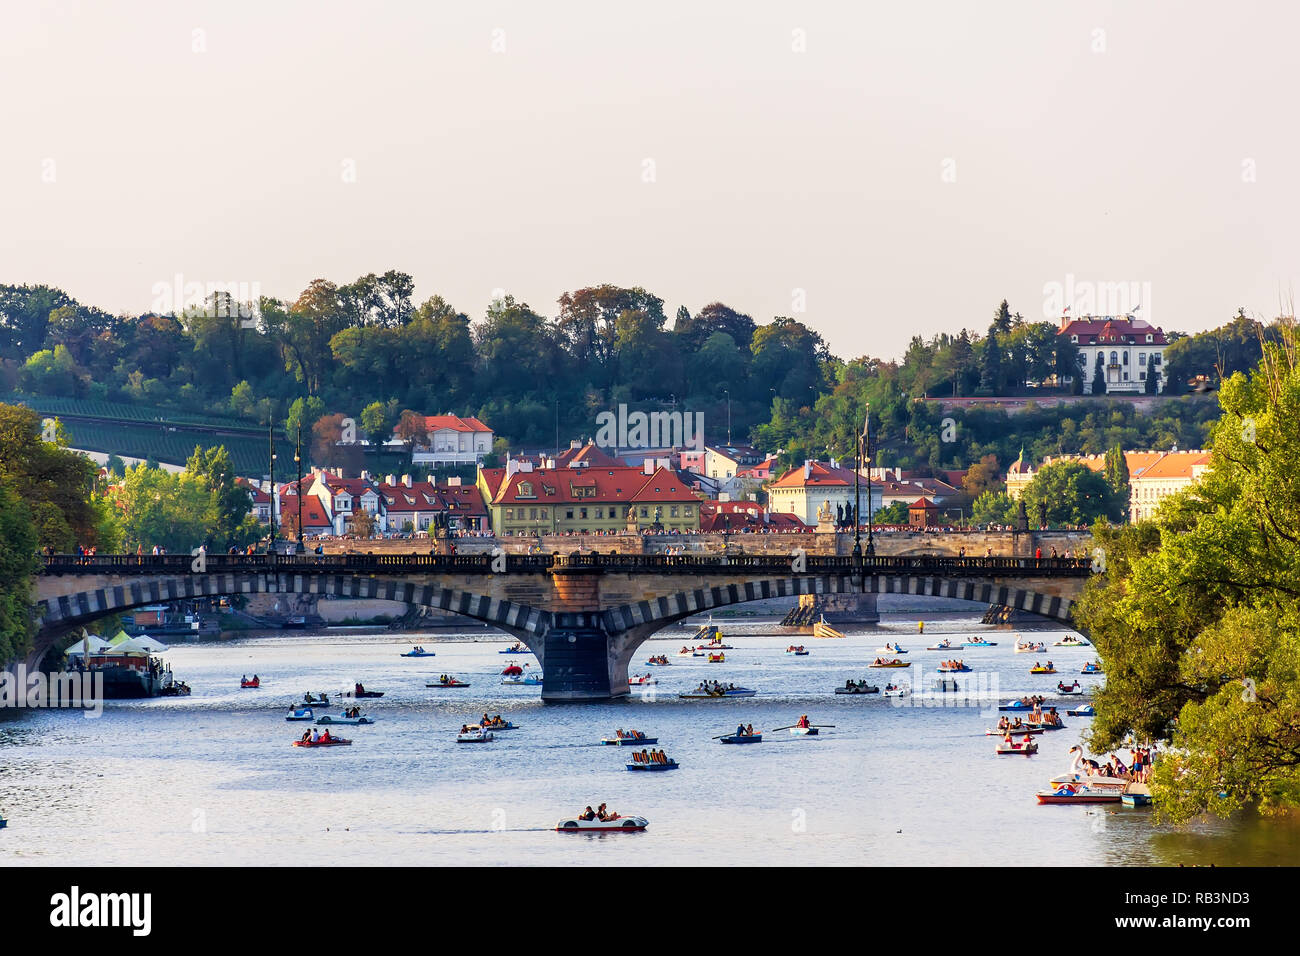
[525, 500]
[451, 441]
[1129, 350]
[816, 486]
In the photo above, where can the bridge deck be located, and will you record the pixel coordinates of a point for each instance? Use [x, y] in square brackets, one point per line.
[382, 564]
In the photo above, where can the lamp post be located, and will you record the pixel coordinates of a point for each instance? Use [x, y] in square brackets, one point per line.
[727, 392]
[270, 451]
[866, 454]
[297, 460]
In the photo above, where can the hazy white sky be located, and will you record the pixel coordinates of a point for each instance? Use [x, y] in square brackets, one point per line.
[905, 164]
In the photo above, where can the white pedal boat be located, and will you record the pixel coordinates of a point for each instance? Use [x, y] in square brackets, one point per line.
[475, 735]
[630, 824]
[1069, 641]
[340, 719]
[898, 692]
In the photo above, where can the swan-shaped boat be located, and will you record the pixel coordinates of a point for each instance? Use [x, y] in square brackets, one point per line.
[1039, 648]
[1096, 785]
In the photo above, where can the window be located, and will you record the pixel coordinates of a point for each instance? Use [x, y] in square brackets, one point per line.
[689, 511]
[1142, 376]
[672, 512]
[1126, 360]
[526, 489]
[543, 514]
[532, 513]
[1142, 358]
[568, 513]
[582, 513]
[1114, 358]
[645, 513]
[510, 514]
[1150, 337]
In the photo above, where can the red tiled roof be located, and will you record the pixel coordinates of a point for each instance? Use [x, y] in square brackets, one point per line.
[606, 484]
[923, 504]
[820, 476]
[589, 455]
[1096, 330]
[433, 423]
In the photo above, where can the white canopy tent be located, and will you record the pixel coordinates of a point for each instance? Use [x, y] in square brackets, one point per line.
[142, 644]
[92, 642]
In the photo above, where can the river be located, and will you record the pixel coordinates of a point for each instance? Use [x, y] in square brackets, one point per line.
[213, 778]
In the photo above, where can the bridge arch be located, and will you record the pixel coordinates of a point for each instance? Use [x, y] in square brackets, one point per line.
[60, 615]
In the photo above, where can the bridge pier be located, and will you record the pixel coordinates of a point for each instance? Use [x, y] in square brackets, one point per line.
[580, 660]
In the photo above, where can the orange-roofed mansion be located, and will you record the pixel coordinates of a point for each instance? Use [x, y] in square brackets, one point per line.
[452, 441]
[1131, 351]
[815, 485]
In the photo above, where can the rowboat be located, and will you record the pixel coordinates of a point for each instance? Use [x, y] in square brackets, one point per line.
[475, 735]
[822, 629]
[364, 695]
[980, 643]
[803, 731]
[1072, 793]
[301, 713]
[860, 688]
[670, 765]
[742, 739]
[628, 741]
[532, 680]
[340, 719]
[1025, 749]
[332, 742]
[616, 825]
[894, 663]
[1132, 800]
[419, 652]
[718, 695]
[1084, 711]
[450, 683]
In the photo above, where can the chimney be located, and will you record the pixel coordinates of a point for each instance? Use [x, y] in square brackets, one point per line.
[388, 480]
[648, 467]
[453, 481]
[807, 469]
[365, 476]
[575, 443]
[406, 480]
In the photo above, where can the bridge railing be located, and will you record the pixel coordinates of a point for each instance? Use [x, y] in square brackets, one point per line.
[171, 564]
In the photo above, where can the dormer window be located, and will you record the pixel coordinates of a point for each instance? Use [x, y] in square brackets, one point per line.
[1150, 337]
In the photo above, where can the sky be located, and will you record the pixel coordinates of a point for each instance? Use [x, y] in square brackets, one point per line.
[875, 170]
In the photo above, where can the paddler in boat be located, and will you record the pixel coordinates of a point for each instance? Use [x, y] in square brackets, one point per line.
[315, 736]
[588, 814]
[749, 730]
[306, 736]
[740, 730]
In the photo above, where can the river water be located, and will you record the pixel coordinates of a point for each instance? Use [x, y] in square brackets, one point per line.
[213, 778]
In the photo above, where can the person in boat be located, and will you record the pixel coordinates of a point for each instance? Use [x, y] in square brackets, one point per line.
[306, 736]
[325, 737]
[315, 736]
[588, 814]
[359, 690]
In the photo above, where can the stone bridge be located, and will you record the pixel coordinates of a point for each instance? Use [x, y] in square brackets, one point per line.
[583, 615]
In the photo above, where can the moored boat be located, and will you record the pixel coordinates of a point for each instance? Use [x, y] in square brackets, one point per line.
[1078, 793]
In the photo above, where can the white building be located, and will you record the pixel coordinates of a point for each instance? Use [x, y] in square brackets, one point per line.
[803, 491]
[451, 441]
[1131, 351]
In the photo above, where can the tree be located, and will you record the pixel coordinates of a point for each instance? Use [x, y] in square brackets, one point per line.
[993, 508]
[1117, 478]
[892, 514]
[1069, 493]
[363, 523]
[53, 483]
[228, 512]
[1197, 620]
[1099, 376]
[412, 430]
[377, 421]
[991, 364]
[18, 544]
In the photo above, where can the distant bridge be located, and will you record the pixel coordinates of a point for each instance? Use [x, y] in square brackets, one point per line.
[583, 615]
